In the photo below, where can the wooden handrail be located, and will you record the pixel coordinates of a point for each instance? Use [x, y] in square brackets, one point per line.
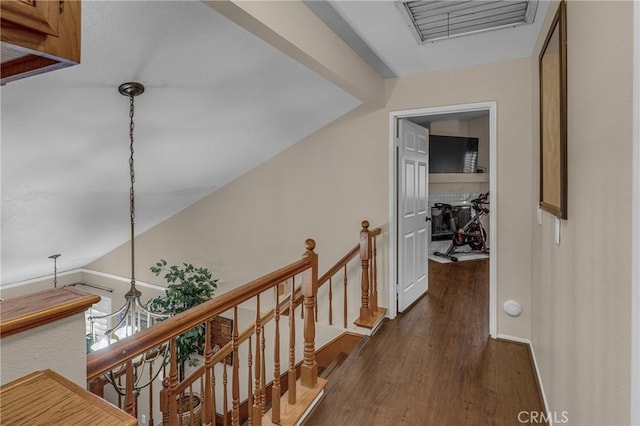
[351, 254]
[339, 265]
[344, 260]
[370, 313]
[126, 349]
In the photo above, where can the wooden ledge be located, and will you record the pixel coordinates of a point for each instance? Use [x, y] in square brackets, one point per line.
[30, 311]
[45, 397]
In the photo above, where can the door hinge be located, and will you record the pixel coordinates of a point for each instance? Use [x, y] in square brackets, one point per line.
[61, 7]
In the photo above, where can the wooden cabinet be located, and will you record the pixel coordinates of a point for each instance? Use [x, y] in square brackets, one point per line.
[38, 36]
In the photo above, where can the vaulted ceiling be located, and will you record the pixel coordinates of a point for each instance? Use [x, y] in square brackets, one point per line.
[224, 93]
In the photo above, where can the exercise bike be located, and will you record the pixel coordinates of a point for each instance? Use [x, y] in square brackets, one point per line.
[472, 233]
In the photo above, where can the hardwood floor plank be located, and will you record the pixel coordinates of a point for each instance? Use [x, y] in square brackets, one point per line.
[435, 364]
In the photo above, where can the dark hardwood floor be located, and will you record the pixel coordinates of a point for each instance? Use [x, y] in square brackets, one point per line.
[435, 364]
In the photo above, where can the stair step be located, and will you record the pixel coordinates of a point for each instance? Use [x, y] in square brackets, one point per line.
[325, 373]
[306, 400]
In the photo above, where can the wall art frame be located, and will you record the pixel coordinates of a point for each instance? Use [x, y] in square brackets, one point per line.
[553, 117]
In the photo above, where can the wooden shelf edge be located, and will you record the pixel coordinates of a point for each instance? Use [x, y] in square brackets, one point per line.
[33, 310]
[458, 178]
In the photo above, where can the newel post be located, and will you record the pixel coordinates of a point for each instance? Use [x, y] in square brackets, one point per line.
[309, 286]
[365, 250]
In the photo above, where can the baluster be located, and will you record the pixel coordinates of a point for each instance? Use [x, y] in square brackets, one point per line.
[330, 301]
[235, 403]
[191, 413]
[345, 305]
[119, 394]
[291, 376]
[374, 279]
[213, 395]
[150, 422]
[257, 400]
[168, 403]
[164, 401]
[250, 388]
[208, 365]
[128, 399]
[309, 369]
[275, 389]
[135, 395]
[263, 376]
[364, 257]
[173, 384]
[96, 386]
[225, 389]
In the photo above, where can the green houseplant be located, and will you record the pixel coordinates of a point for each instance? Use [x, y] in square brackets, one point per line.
[188, 286]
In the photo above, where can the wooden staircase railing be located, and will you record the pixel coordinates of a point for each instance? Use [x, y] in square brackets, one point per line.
[370, 313]
[124, 356]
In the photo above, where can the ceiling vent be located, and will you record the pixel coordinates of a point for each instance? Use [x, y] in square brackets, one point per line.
[441, 19]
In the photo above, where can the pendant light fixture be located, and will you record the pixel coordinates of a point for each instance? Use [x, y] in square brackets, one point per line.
[133, 316]
[55, 269]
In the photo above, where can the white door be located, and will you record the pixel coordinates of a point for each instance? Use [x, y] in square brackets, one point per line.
[413, 228]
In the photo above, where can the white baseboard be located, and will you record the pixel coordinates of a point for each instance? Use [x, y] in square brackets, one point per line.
[535, 364]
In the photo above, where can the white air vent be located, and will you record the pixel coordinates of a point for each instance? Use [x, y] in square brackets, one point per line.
[441, 19]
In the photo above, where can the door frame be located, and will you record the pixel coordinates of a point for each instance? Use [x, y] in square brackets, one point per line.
[394, 116]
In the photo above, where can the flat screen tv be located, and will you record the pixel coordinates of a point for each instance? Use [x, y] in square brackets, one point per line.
[453, 154]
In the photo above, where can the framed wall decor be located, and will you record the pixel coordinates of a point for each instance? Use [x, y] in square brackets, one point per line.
[221, 334]
[553, 117]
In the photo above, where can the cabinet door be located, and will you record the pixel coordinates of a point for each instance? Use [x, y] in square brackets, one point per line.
[36, 15]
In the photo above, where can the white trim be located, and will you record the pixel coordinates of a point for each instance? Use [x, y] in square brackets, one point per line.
[513, 338]
[535, 364]
[123, 279]
[38, 279]
[310, 408]
[85, 271]
[392, 308]
[491, 106]
[635, 226]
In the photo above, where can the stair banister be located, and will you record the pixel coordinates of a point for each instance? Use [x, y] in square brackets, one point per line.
[370, 313]
[365, 253]
[126, 350]
[104, 360]
[309, 369]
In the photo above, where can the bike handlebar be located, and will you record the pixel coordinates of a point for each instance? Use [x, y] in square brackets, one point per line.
[482, 199]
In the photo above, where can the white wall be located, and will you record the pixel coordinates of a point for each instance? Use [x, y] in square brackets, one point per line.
[324, 186]
[507, 83]
[581, 288]
[59, 346]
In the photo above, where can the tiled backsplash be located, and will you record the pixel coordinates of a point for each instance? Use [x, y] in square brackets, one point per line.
[457, 198]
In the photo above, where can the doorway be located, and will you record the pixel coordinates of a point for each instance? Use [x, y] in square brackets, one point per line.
[396, 262]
